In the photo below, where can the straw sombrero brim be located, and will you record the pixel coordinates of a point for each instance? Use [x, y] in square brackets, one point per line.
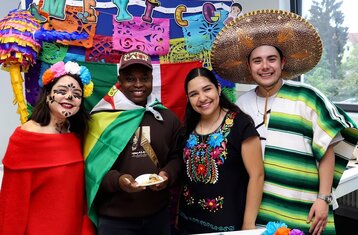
[298, 40]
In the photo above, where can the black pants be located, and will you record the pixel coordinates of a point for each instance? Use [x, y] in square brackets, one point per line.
[157, 224]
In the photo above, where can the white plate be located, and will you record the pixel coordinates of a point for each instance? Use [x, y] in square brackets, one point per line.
[143, 180]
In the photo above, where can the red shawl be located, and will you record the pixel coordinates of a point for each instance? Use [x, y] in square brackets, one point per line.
[43, 185]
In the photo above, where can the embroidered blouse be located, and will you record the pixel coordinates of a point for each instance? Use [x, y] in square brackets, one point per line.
[216, 180]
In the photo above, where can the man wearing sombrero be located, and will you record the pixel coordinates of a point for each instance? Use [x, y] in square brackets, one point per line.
[302, 132]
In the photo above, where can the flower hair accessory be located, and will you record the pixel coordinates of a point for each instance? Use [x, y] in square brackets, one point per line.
[60, 69]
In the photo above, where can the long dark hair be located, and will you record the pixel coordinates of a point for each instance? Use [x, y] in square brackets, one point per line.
[191, 116]
[42, 115]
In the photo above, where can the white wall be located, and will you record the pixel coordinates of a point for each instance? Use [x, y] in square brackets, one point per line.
[9, 119]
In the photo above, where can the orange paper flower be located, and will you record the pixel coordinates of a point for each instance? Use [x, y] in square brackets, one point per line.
[48, 76]
[282, 231]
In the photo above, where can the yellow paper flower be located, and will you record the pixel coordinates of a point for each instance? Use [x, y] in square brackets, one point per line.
[88, 89]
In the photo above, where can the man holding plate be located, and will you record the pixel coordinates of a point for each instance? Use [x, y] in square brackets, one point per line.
[132, 136]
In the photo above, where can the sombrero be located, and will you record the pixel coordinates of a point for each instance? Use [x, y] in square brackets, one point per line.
[298, 40]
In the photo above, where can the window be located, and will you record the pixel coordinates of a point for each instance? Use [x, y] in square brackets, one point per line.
[336, 75]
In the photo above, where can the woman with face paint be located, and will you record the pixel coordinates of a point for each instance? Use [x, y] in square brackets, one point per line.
[43, 185]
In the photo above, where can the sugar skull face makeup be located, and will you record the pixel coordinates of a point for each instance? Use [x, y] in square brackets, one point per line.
[65, 97]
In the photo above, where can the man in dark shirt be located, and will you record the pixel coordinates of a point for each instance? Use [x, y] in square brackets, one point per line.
[143, 138]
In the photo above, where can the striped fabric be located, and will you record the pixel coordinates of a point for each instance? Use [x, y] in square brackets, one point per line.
[109, 132]
[103, 144]
[302, 125]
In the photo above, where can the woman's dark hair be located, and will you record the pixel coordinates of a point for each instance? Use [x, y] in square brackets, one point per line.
[41, 112]
[191, 116]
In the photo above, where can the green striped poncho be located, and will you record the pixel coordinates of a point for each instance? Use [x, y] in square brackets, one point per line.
[302, 125]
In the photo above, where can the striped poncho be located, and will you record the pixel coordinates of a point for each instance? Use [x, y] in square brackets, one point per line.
[301, 126]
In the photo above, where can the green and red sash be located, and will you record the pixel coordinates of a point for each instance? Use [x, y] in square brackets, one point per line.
[109, 132]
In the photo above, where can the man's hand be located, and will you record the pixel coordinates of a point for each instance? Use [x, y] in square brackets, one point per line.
[162, 185]
[319, 211]
[128, 184]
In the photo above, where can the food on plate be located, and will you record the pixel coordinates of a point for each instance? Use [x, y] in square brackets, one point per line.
[153, 178]
[149, 179]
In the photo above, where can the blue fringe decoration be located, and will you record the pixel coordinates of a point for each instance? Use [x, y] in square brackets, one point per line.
[43, 35]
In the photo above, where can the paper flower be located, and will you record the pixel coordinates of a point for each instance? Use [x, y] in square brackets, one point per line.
[60, 68]
[280, 228]
[88, 89]
[296, 232]
[271, 227]
[72, 67]
[283, 231]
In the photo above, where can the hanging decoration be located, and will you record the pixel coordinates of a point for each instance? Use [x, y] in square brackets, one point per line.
[89, 14]
[102, 51]
[179, 15]
[211, 15]
[200, 34]
[18, 50]
[173, 33]
[178, 53]
[151, 38]
[52, 52]
[72, 24]
[149, 8]
[122, 10]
